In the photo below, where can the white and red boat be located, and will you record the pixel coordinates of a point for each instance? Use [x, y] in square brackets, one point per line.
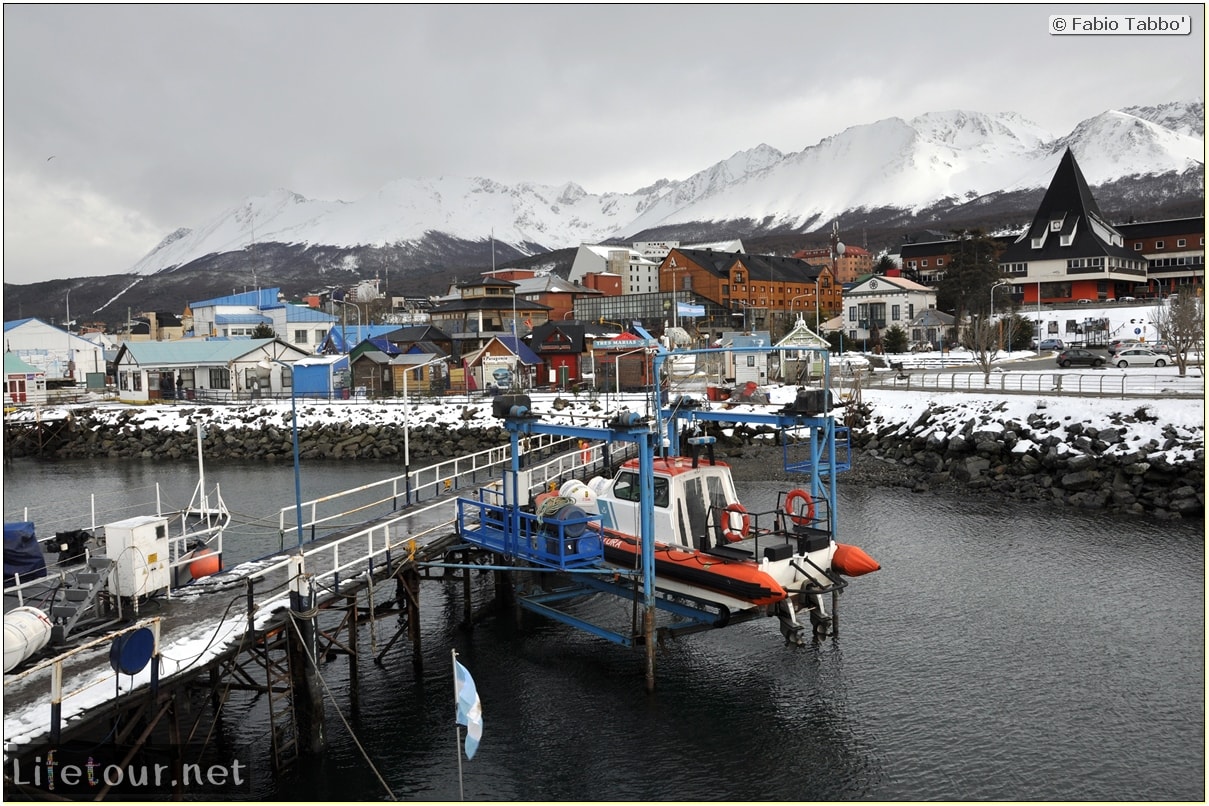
[710, 548]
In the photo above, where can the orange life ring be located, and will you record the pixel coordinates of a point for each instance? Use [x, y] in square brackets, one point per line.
[791, 509]
[744, 526]
[585, 452]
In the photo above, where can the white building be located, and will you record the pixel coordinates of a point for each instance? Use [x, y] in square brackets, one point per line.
[877, 303]
[638, 266]
[63, 357]
[238, 315]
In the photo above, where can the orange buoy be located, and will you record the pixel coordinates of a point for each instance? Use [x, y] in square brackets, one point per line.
[205, 562]
[744, 529]
[852, 562]
[791, 501]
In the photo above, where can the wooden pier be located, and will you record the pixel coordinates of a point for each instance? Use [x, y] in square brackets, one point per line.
[265, 627]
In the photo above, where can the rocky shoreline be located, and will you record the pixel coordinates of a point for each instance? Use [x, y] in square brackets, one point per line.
[1072, 464]
[1040, 459]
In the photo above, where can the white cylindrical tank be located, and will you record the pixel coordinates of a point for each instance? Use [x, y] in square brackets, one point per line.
[599, 484]
[26, 630]
[581, 493]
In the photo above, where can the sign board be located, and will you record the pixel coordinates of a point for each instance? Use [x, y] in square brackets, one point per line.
[622, 344]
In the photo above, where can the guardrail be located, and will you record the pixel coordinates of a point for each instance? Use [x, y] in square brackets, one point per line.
[1098, 384]
[424, 483]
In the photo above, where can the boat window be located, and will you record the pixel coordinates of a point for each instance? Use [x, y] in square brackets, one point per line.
[698, 515]
[626, 488]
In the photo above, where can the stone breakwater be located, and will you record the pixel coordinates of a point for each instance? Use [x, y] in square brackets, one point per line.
[1041, 457]
[255, 435]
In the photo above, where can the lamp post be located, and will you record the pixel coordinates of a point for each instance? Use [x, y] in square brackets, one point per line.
[267, 364]
[1001, 284]
[344, 326]
[407, 426]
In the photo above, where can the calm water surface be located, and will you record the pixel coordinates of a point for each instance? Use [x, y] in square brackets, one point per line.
[1004, 652]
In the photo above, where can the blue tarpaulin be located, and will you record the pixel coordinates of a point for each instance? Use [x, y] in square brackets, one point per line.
[22, 553]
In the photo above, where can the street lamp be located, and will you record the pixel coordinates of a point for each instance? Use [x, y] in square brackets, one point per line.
[1001, 284]
[407, 425]
[344, 324]
[267, 363]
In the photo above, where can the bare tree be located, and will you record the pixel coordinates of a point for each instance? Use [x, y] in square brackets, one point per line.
[1181, 324]
[981, 338]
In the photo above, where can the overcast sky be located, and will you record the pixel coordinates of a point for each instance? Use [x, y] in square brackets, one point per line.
[123, 123]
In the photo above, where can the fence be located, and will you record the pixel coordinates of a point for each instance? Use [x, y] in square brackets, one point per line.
[1093, 384]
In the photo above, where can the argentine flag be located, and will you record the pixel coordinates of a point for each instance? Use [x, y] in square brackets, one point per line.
[470, 710]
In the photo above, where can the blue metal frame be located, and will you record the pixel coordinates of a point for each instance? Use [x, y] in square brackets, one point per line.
[501, 527]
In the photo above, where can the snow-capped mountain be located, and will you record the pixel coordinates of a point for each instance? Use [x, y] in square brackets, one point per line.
[936, 159]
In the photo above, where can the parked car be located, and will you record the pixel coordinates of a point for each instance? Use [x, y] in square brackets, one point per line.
[1127, 299]
[1122, 344]
[1051, 344]
[1160, 347]
[1073, 356]
[1139, 357]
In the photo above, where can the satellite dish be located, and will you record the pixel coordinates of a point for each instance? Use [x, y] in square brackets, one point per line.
[840, 248]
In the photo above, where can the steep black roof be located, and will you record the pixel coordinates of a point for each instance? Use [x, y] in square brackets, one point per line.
[1067, 211]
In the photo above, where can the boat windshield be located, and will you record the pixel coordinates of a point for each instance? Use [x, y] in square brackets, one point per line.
[626, 488]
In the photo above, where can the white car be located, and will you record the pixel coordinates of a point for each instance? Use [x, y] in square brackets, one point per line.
[1139, 357]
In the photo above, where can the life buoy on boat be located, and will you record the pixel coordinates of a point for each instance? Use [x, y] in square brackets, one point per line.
[730, 534]
[791, 501]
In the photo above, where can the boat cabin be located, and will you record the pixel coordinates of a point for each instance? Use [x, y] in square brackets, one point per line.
[685, 498]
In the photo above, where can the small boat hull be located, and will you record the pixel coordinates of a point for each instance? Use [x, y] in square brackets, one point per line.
[736, 579]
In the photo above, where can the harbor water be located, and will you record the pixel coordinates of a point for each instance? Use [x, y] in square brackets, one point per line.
[1003, 652]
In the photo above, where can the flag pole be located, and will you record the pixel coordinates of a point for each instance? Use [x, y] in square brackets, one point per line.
[457, 731]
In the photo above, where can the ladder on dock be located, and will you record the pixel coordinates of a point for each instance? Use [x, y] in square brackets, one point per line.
[283, 723]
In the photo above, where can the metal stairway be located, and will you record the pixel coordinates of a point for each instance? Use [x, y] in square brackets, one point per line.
[79, 599]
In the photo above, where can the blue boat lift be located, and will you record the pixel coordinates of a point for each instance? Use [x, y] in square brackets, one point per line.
[566, 545]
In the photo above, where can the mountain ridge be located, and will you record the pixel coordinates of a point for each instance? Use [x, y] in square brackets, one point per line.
[885, 181]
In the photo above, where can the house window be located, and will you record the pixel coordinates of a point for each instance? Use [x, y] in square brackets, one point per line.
[300, 336]
[852, 314]
[136, 381]
[940, 261]
[894, 312]
[923, 263]
[1137, 247]
[1181, 243]
[287, 377]
[1158, 244]
[220, 378]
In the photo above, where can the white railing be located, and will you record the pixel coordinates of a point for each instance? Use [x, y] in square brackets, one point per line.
[1099, 384]
[426, 482]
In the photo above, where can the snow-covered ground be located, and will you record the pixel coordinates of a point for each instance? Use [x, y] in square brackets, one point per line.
[1186, 413]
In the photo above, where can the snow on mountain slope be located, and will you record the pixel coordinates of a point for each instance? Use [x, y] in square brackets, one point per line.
[911, 165]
